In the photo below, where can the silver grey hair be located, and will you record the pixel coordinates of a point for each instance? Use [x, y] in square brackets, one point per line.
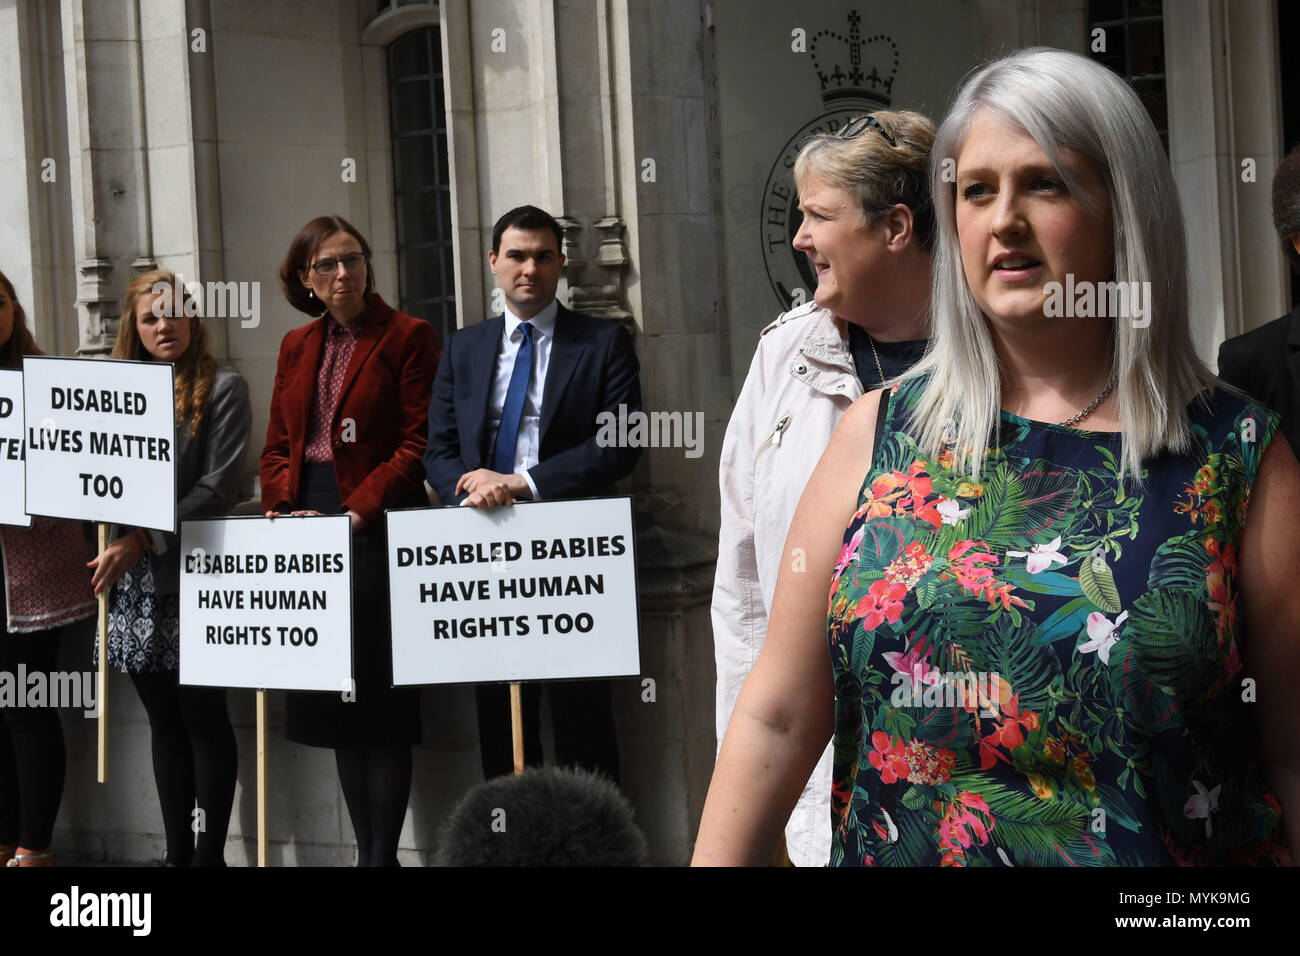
[1066, 101]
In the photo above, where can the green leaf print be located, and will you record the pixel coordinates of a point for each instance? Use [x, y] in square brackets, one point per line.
[864, 642]
[1029, 668]
[1116, 807]
[1173, 639]
[916, 798]
[1051, 832]
[1017, 507]
[1066, 621]
[1098, 583]
[896, 452]
[1143, 707]
[1044, 582]
[926, 592]
[916, 843]
[1180, 563]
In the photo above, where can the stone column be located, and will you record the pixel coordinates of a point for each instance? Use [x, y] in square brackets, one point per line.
[613, 143]
[34, 169]
[1223, 110]
[656, 167]
[107, 166]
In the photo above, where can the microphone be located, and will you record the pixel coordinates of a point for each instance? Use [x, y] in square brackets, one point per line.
[546, 816]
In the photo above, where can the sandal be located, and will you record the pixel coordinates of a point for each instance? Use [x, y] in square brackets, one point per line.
[23, 857]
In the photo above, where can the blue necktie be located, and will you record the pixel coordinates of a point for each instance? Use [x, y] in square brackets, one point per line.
[512, 414]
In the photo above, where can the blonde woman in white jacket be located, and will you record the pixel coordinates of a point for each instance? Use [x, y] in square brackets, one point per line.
[867, 231]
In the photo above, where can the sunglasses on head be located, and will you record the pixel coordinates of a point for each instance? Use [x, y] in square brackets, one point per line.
[858, 125]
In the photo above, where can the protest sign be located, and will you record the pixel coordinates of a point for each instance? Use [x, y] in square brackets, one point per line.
[11, 449]
[100, 438]
[267, 603]
[536, 591]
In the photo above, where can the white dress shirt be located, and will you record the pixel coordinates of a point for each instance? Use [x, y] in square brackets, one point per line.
[528, 443]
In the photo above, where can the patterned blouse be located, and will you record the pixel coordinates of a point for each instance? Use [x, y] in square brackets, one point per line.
[1043, 668]
[340, 342]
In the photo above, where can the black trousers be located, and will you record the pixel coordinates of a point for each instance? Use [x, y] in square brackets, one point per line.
[583, 718]
[32, 755]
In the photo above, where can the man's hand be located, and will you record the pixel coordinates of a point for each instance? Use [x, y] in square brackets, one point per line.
[491, 489]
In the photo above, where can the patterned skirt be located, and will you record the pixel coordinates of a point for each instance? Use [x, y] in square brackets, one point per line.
[144, 627]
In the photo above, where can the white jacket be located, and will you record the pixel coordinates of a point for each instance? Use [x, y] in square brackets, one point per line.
[801, 382]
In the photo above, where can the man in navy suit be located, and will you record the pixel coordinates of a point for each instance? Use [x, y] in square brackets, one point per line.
[1265, 362]
[514, 416]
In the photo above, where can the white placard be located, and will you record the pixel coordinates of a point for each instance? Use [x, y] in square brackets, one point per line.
[11, 449]
[537, 591]
[100, 440]
[267, 604]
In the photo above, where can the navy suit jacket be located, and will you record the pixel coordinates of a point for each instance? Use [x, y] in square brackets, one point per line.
[1265, 363]
[593, 369]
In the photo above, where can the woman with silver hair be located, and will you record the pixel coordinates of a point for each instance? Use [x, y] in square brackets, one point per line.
[1036, 640]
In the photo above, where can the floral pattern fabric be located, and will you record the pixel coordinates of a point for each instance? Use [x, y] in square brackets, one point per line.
[1043, 668]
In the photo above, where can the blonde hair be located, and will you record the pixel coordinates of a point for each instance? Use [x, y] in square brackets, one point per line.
[878, 175]
[195, 370]
[1066, 101]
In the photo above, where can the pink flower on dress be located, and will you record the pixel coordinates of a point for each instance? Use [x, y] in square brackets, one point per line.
[882, 602]
[913, 664]
[968, 814]
[888, 757]
[965, 562]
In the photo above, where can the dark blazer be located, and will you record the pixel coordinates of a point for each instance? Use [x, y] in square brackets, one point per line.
[209, 464]
[1265, 363]
[593, 369]
[385, 394]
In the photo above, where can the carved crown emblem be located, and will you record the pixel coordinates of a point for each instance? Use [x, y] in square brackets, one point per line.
[854, 67]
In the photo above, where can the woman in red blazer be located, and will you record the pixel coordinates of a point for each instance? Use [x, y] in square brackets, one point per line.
[348, 423]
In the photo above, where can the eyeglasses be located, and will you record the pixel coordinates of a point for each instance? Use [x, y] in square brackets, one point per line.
[858, 125]
[327, 267]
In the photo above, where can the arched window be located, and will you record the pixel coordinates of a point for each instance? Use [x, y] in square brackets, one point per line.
[421, 179]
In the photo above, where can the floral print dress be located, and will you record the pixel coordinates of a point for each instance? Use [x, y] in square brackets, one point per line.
[1043, 668]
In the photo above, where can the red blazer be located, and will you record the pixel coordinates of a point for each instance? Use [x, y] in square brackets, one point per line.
[386, 392]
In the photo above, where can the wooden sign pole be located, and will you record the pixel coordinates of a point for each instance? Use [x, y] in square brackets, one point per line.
[261, 778]
[517, 727]
[103, 664]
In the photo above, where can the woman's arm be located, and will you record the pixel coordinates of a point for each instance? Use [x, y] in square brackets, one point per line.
[273, 468]
[1270, 568]
[228, 419]
[785, 712]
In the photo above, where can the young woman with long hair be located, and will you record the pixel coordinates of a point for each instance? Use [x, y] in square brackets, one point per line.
[194, 754]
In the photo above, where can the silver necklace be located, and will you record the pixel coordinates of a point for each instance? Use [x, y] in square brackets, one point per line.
[1095, 402]
[872, 343]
